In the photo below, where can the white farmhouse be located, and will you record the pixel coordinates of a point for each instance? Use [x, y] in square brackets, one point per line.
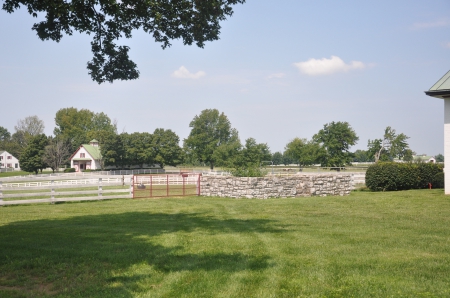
[86, 157]
[442, 90]
[8, 161]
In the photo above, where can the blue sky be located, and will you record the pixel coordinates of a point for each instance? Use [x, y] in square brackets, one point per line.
[281, 69]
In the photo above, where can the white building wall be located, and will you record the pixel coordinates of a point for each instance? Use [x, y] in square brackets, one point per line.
[12, 162]
[447, 145]
[92, 165]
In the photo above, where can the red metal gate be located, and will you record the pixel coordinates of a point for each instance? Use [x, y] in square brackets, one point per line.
[172, 185]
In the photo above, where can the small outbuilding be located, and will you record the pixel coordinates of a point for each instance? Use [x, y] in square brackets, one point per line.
[86, 157]
[442, 90]
[8, 161]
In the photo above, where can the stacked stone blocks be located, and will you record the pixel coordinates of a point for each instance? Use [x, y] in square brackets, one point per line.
[276, 187]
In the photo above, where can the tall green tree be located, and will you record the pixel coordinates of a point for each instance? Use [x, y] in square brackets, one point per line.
[138, 149]
[32, 158]
[166, 148]
[303, 152]
[335, 138]
[5, 135]
[209, 131]
[108, 21]
[277, 158]
[226, 153]
[439, 158]
[391, 146]
[79, 126]
[287, 159]
[247, 163]
[112, 150]
[361, 156]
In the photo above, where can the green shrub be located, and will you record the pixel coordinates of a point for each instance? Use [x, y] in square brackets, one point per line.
[69, 170]
[248, 171]
[438, 180]
[384, 176]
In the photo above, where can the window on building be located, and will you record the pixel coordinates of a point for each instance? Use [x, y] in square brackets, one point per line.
[9, 165]
[9, 157]
[16, 165]
[82, 155]
[1, 157]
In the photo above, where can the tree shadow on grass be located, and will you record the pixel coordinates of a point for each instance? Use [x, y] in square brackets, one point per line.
[103, 255]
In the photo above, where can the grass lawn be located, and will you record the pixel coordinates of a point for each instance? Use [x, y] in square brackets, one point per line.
[367, 244]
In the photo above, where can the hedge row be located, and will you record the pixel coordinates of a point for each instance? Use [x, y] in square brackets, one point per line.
[384, 176]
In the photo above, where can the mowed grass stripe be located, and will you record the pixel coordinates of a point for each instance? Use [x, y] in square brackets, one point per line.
[363, 245]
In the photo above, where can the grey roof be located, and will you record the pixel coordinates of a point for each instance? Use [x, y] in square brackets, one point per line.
[442, 87]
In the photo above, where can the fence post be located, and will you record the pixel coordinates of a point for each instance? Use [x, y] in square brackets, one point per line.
[131, 190]
[100, 188]
[53, 191]
[198, 184]
[182, 177]
[1, 193]
[167, 185]
[151, 186]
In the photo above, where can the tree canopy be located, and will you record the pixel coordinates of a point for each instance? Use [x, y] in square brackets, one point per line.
[210, 130]
[108, 21]
[80, 126]
[32, 158]
[336, 138]
[303, 152]
[391, 146]
[5, 135]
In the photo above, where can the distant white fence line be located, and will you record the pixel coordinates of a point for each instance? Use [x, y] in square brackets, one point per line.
[72, 182]
[36, 191]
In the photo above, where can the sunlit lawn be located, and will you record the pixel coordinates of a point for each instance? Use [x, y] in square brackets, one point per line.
[363, 245]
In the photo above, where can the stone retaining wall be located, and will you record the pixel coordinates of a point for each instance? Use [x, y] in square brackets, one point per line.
[276, 187]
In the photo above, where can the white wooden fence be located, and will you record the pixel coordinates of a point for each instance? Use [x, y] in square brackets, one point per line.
[36, 189]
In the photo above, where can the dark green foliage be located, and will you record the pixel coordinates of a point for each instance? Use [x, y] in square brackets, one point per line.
[248, 171]
[4, 134]
[335, 139]
[385, 176]
[32, 158]
[362, 156]
[438, 180]
[212, 139]
[69, 170]
[277, 158]
[303, 152]
[166, 148]
[81, 126]
[108, 21]
[287, 159]
[248, 161]
[439, 158]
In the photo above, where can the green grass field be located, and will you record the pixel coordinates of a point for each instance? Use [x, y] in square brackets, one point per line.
[367, 244]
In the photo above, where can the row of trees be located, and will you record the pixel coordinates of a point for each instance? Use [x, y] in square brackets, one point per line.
[212, 141]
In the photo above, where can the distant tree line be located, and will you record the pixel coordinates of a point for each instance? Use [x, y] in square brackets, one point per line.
[212, 141]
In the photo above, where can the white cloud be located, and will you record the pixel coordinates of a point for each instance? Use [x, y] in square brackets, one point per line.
[279, 75]
[438, 23]
[324, 66]
[183, 73]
